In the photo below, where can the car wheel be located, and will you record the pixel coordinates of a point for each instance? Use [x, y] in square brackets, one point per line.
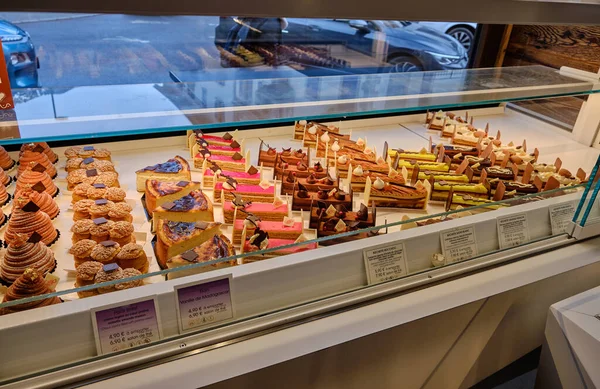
[403, 64]
[464, 35]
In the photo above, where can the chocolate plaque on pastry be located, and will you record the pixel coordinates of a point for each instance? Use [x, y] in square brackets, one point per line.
[38, 148]
[168, 205]
[110, 267]
[31, 207]
[252, 170]
[101, 201]
[39, 168]
[190, 256]
[237, 156]
[201, 225]
[99, 186]
[87, 161]
[100, 220]
[91, 173]
[39, 187]
[182, 183]
[234, 144]
[34, 238]
[227, 136]
[108, 243]
[88, 148]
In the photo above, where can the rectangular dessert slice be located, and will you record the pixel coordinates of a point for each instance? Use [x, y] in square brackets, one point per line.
[174, 170]
[159, 192]
[236, 162]
[265, 211]
[267, 155]
[321, 212]
[190, 208]
[198, 137]
[260, 240]
[386, 194]
[252, 193]
[358, 177]
[303, 199]
[173, 238]
[217, 247]
[335, 226]
[302, 128]
[241, 177]
[289, 229]
[311, 183]
[300, 170]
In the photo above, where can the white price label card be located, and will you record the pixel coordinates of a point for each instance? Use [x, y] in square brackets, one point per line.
[561, 215]
[126, 325]
[385, 263]
[459, 244]
[204, 303]
[513, 230]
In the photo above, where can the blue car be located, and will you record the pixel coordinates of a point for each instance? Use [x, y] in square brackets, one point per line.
[20, 57]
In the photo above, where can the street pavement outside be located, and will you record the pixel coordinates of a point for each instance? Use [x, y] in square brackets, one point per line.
[87, 49]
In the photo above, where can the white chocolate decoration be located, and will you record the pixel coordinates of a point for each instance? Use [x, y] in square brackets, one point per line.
[302, 122]
[249, 223]
[393, 173]
[380, 160]
[360, 142]
[288, 221]
[342, 159]
[228, 186]
[265, 184]
[332, 192]
[340, 226]
[358, 171]
[368, 150]
[378, 184]
[277, 202]
[301, 239]
[330, 211]
[438, 260]
[264, 244]
[335, 146]
[325, 138]
[312, 130]
[423, 151]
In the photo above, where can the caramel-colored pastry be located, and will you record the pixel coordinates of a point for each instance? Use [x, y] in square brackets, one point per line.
[41, 147]
[106, 251]
[175, 169]
[80, 192]
[25, 253]
[89, 163]
[86, 275]
[100, 231]
[122, 233]
[127, 273]
[215, 248]
[82, 251]
[4, 196]
[159, 192]
[82, 209]
[32, 179]
[100, 207]
[133, 255]
[30, 284]
[3, 218]
[32, 158]
[27, 220]
[42, 200]
[116, 195]
[5, 179]
[6, 162]
[81, 229]
[91, 176]
[87, 152]
[110, 272]
[120, 212]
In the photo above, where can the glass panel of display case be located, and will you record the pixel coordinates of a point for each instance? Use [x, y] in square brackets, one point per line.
[101, 111]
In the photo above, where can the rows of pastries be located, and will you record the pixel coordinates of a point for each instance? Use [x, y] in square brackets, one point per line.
[219, 201]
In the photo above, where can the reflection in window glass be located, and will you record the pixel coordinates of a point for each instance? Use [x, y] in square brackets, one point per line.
[65, 50]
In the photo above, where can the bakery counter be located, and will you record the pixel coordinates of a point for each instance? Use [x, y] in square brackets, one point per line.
[281, 283]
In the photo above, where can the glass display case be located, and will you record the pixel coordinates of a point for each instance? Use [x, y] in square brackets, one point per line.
[267, 201]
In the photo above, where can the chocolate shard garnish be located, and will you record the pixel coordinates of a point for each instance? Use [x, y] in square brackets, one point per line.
[253, 218]
[101, 202]
[227, 136]
[168, 205]
[182, 184]
[110, 267]
[99, 186]
[91, 173]
[88, 148]
[39, 187]
[31, 207]
[87, 161]
[238, 201]
[34, 238]
[252, 170]
[38, 148]
[234, 144]
[100, 220]
[108, 243]
[201, 225]
[205, 153]
[39, 168]
[198, 132]
[190, 256]
[363, 212]
[237, 156]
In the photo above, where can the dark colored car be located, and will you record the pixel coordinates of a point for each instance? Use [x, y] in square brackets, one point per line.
[397, 46]
[19, 53]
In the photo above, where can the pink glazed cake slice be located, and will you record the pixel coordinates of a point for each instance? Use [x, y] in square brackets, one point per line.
[241, 177]
[275, 229]
[265, 211]
[247, 191]
[300, 247]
